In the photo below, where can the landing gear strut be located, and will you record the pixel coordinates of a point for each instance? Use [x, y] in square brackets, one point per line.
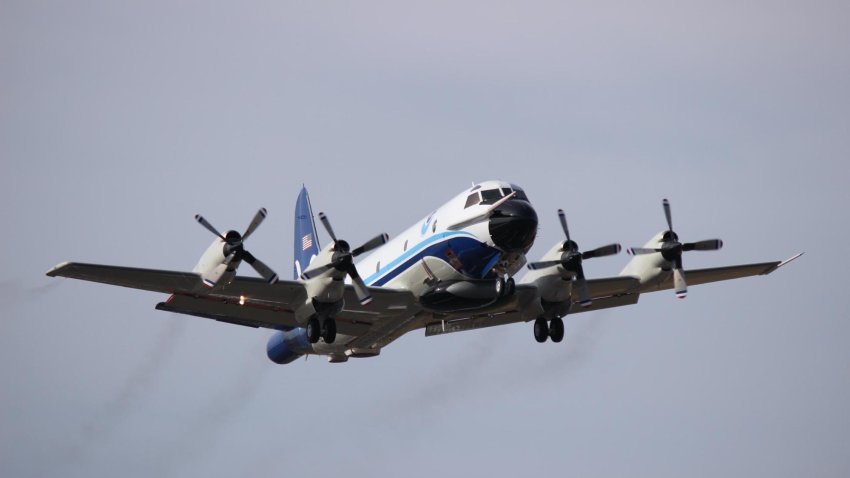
[505, 286]
[553, 330]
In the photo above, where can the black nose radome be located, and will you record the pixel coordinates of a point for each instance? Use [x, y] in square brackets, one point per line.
[513, 226]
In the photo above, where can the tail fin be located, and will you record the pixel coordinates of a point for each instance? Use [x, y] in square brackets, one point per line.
[306, 242]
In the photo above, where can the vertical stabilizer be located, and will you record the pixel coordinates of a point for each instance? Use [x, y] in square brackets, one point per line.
[306, 242]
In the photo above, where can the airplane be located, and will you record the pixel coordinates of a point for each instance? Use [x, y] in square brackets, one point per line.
[452, 271]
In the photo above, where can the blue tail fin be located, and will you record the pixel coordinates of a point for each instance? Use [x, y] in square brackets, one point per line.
[306, 241]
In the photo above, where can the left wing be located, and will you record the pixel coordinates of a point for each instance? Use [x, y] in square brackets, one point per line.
[606, 293]
[716, 274]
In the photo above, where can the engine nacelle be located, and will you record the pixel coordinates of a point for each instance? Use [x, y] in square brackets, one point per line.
[286, 346]
[454, 296]
[212, 267]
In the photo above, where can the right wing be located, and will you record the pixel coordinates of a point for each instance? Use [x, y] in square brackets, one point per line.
[248, 301]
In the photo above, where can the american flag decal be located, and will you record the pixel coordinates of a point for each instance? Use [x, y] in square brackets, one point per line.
[306, 242]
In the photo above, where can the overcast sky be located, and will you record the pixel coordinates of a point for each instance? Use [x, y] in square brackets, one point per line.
[120, 120]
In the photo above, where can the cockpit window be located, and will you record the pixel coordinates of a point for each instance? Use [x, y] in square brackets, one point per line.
[472, 200]
[520, 194]
[490, 196]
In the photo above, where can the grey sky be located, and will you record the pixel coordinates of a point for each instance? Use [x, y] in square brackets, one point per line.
[119, 121]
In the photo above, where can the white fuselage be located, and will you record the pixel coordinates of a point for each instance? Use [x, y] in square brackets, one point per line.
[448, 244]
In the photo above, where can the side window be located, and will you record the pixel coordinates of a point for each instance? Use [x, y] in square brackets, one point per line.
[378, 266]
[434, 227]
[405, 244]
[472, 200]
[490, 196]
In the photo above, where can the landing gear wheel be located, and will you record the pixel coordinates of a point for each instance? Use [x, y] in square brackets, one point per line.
[314, 330]
[541, 330]
[510, 286]
[329, 331]
[556, 330]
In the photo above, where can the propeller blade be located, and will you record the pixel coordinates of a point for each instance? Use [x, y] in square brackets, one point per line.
[255, 223]
[209, 226]
[376, 241]
[309, 274]
[581, 283]
[265, 271]
[583, 292]
[706, 245]
[327, 224]
[359, 286]
[679, 284]
[603, 251]
[543, 264]
[229, 258]
[636, 251]
[563, 218]
[666, 204]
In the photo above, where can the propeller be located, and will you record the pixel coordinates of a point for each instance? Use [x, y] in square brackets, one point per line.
[571, 260]
[234, 249]
[343, 260]
[671, 249]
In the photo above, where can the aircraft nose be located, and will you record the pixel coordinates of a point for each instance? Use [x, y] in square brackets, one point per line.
[513, 226]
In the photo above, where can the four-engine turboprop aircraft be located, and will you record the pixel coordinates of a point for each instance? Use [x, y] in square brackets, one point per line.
[452, 271]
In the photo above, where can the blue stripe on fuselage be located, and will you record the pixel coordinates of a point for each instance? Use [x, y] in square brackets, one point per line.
[476, 257]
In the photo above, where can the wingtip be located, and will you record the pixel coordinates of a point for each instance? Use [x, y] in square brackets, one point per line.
[54, 271]
[782, 263]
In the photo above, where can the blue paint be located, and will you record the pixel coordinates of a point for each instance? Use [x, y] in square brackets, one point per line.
[287, 345]
[425, 224]
[304, 226]
[471, 253]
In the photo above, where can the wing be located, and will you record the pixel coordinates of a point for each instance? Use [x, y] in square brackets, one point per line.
[354, 320]
[716, 274]
[282, 294]
[606, 292]
[247, 301]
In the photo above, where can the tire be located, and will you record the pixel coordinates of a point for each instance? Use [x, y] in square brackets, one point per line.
[556, 330]
[541, 330]
[510, 286]
[329, 331]
[314, 330]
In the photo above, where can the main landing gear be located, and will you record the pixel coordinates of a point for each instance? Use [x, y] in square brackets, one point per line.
[326, 330]
[553, 330]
